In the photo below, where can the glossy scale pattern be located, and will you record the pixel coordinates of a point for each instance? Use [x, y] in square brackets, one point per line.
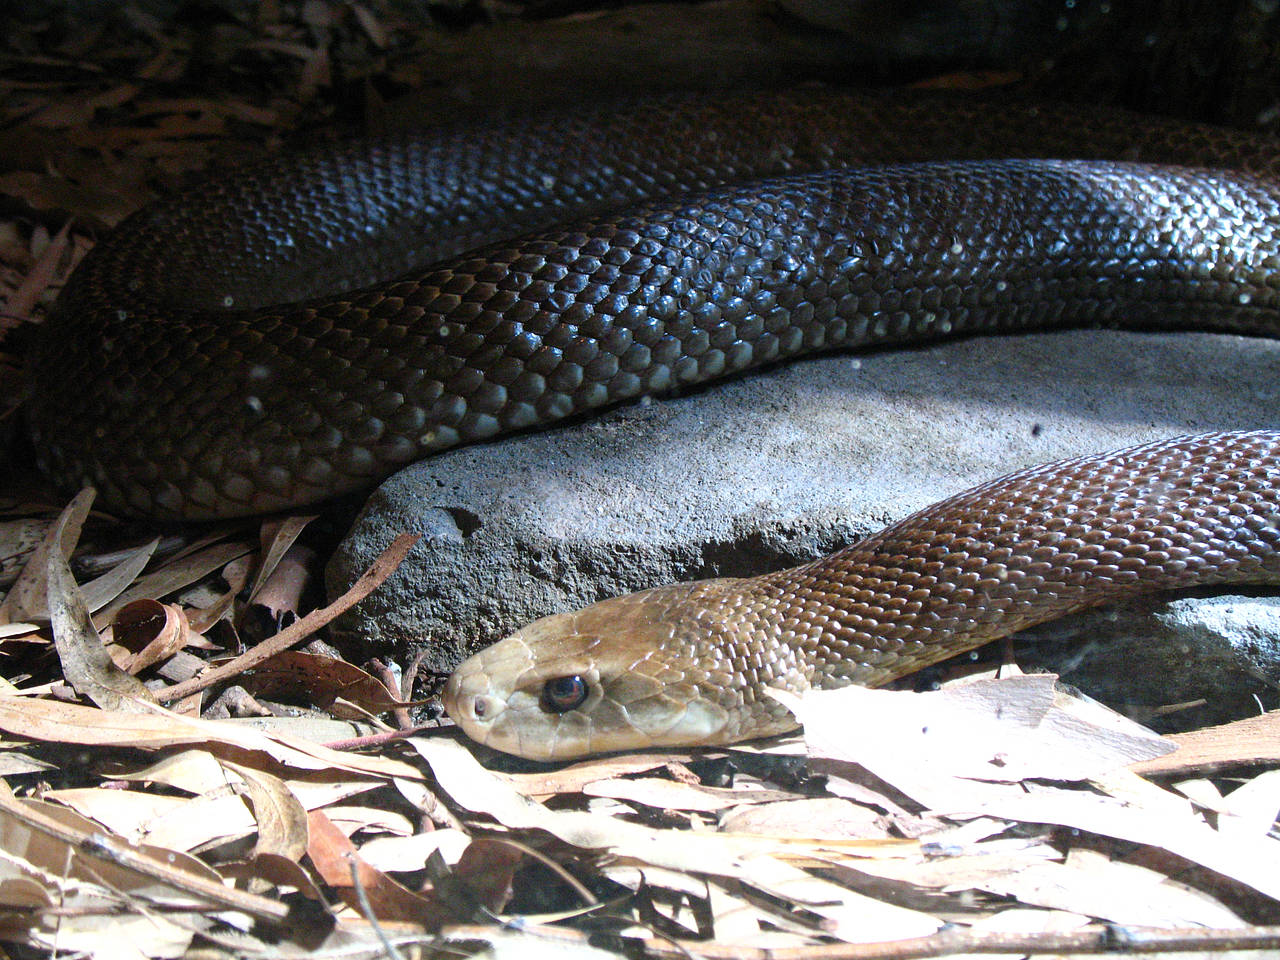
[238, 349]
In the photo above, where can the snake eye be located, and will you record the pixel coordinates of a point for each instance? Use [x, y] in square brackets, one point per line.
[562, 694]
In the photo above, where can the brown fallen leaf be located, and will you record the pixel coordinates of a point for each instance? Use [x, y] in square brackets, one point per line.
[277, 537]
[341, 867]
[177, 572]
[281, 819]
[1239, 743]
[296, 632]
[485, 872]
[319, 680]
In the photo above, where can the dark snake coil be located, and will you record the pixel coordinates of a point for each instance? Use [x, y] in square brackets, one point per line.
[223, 353]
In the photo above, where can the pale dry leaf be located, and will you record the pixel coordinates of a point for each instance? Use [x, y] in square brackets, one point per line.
[280, 818]
[1254, 861]
[191, 771]
[102, 590]
[18, 540]
[85, 662]
[174, 575]
[672, 795]
[354, 819]
[573, 778]
[1202, 791]
[410, 854]
[967, 869]
[744, 858]
[1252, 808]
[131, 814]
[1091, 884]
[24, 299]
[277, 537]
[104, 933]
[157, 729]
[50, 854]
[813, 817]
[969, 739]
[739, 922]
[842, 913]
[28, 598]
[15, 762]
[212, 818]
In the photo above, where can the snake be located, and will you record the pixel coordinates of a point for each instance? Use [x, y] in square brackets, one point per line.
[301, 325]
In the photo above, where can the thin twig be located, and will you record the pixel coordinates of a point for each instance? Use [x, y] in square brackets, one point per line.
[382, 568]
[1098, 938]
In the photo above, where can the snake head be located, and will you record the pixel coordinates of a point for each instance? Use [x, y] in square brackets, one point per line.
[627, 673]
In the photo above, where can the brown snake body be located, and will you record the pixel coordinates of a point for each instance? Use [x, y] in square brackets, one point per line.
[689, 663]
[239, 349]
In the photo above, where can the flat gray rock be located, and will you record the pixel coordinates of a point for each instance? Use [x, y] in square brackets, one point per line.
[766, 471]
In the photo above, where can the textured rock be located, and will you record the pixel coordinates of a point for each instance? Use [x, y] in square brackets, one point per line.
[767, 471]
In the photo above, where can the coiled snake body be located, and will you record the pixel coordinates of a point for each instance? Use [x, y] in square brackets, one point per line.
[224, 353]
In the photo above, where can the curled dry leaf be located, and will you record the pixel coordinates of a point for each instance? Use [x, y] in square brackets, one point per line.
[176, 573]
[151, 631]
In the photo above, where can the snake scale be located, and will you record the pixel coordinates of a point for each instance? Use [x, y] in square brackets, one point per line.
[302, 326]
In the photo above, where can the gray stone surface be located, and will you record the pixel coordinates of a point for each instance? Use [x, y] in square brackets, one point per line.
[768, 470]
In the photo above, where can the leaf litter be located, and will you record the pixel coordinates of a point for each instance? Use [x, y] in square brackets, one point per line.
[989, 817]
